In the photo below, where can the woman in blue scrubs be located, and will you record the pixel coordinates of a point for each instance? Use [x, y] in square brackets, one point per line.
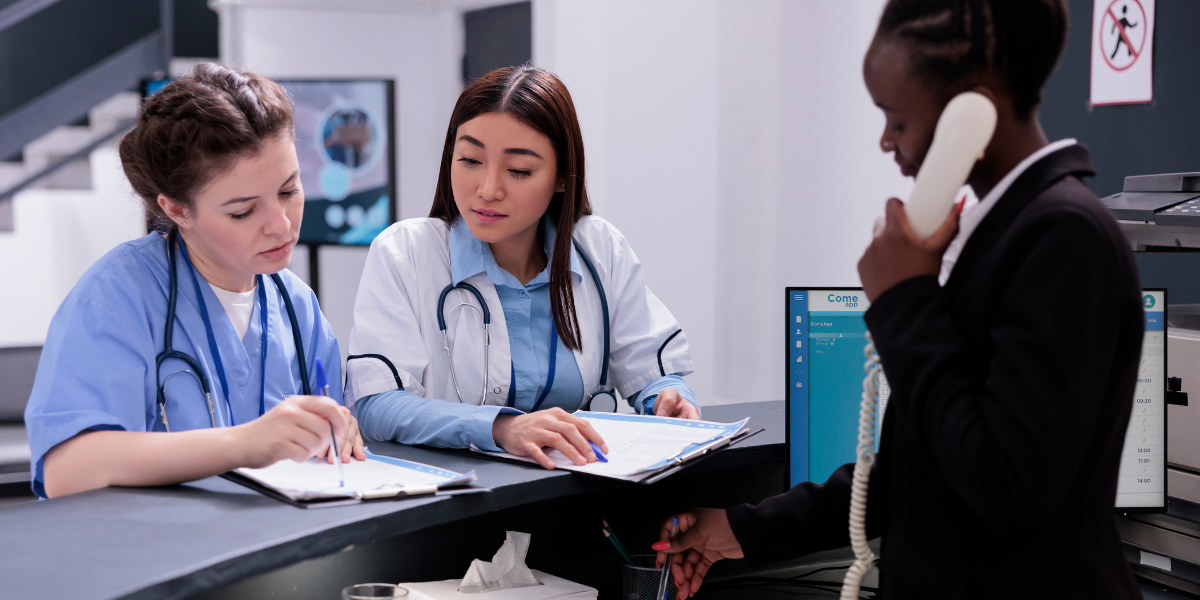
[120, 397]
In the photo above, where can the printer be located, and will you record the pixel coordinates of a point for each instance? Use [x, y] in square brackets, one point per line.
[1161, 213]
[1159, 210]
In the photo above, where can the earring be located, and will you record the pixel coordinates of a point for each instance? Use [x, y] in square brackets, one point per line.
[185, 225]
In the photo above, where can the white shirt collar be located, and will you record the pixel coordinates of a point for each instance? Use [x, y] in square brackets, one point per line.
[973, 216]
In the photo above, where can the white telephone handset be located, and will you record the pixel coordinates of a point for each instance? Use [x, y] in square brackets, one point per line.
[963, 132]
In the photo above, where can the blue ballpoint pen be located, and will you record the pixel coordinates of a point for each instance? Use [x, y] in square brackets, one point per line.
[323, 389]
[599, 455]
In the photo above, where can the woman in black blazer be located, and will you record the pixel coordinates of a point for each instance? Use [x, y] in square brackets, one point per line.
[1012, 383]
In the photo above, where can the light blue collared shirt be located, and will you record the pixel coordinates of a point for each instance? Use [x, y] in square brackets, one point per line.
[407, 418]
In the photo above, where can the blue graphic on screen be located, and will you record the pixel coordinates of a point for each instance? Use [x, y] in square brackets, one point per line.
[826, 338]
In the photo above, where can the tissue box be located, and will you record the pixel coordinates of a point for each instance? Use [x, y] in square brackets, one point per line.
[552, 587]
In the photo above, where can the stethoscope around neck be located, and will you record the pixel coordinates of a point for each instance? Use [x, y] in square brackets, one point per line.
[194, 369]
[486, 317]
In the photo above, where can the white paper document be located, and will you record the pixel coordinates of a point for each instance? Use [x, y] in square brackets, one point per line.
[378, 476]
[638, 444]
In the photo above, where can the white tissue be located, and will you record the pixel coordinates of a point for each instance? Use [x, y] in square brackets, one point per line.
[506, 571]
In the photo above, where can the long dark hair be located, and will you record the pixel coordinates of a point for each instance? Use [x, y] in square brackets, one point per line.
[538, 99]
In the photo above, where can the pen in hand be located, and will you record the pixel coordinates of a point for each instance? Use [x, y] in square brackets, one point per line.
[599, 455]
[666, 568]
[323, 389]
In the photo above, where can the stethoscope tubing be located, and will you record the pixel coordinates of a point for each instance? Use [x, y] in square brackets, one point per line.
[168, 336]
[487, 337]
[585, 403]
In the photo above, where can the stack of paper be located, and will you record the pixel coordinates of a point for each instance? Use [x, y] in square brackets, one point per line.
[376, 477]
[639, 445]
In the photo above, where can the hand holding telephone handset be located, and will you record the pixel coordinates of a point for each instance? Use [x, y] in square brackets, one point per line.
[963, 132]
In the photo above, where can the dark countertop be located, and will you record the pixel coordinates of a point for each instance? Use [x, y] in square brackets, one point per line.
[171, 542]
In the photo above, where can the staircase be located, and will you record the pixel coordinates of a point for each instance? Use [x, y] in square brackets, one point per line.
[72, 70]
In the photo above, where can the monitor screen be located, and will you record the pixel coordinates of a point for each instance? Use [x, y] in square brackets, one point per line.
[825, 339]
[1142, 483]
[826, 336]
[346, 148]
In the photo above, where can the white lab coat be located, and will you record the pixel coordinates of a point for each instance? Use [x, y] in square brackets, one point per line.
[395, 316]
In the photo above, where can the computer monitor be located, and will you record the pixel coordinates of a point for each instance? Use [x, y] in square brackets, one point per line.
[1142, 482]
[345, 143]
[826, 336]
[825, 339]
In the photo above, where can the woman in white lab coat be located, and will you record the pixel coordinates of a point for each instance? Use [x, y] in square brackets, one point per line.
[565, 314]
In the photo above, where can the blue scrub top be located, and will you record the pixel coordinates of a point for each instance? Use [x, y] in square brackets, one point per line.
[97, 368]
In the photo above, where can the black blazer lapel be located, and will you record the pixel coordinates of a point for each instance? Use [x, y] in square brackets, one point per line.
[1049, 170]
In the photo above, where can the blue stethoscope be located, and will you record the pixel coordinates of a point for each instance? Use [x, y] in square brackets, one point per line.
[194, 367]
[486, 316]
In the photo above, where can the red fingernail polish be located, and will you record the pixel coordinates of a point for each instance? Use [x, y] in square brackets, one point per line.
[662, 546]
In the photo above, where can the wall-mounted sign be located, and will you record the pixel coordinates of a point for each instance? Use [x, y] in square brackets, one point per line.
[1122, 51]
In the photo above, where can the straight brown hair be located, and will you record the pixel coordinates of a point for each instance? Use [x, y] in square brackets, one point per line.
[538, 99]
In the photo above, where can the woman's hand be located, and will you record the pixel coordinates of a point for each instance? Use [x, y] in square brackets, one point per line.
[897, 254]
[297, 428]
[526, 435]
[703, 538]
[351, 444]
[670, 404]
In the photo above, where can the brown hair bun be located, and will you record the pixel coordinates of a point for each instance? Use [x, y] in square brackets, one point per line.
[197, 126]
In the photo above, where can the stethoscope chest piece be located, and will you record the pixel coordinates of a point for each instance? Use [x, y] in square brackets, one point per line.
[590, 403]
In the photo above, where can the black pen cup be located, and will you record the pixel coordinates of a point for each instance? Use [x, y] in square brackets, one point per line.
[639, 581]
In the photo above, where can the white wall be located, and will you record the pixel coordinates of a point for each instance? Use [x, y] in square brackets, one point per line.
[417, 43]
[732, 141]
[57, 235]
[738, 156]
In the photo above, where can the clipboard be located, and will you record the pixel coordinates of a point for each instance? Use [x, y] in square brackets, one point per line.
[660, 470]
[379, 478]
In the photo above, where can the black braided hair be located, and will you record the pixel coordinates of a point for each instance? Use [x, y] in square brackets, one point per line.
[1019, 40]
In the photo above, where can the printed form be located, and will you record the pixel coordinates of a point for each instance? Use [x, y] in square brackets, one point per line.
[638, 444]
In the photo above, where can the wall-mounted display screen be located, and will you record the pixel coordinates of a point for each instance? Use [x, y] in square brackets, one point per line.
[346, 148]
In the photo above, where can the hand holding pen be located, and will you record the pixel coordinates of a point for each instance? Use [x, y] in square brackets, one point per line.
[352, 444]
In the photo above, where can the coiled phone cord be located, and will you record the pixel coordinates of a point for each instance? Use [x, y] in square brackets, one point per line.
[863, 557]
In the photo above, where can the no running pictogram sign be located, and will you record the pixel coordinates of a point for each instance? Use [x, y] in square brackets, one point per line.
[1122, 49]
[1123, 33]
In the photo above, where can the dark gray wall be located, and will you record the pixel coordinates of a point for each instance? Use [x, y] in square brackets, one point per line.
[196, 27]
[1162, 137]
[501, 36]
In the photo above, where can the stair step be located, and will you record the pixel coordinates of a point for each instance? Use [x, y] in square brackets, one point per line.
[114, 111]
[60, 142]
[11, 173]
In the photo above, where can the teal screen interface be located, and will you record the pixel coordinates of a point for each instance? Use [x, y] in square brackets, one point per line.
[826, 336]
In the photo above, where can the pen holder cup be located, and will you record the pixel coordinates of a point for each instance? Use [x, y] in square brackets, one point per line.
[639, 581]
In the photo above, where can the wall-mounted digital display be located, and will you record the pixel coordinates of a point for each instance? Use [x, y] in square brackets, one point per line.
[346, 148]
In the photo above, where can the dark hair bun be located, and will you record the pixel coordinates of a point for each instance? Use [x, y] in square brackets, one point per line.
[1021, 40]
[196, 126]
